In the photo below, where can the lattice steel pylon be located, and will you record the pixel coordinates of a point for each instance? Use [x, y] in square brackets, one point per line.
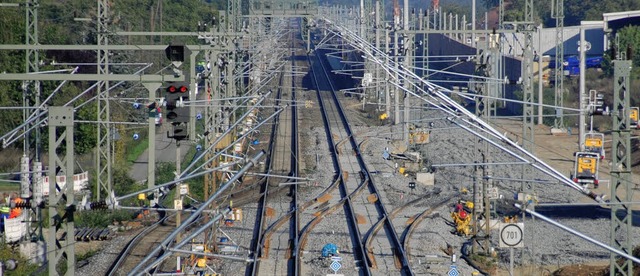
[32, 89]
[621, 182]
[61, 162]
[103, 147]
[234, 11]
[480, 87]
[527, 78]
[557, 12]
[486, 69]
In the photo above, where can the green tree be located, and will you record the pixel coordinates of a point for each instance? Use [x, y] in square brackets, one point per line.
[85, 133]
[629, 38]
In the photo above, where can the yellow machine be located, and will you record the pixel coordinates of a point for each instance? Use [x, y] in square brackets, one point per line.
[586, 168]
[418, 135]
[462, 220]
[633, 117]
[594, 142]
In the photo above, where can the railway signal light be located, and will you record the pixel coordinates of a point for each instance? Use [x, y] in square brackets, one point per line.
[177, 93]
[598, 104]
[176, 53]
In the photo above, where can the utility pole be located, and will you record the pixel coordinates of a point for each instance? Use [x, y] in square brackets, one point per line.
[31, 88]
[103, 147]
[473, 22]
[527, 28]
[486, 68]
[557, 12]
[377, 27]
[31, 182]
[210, 122]
[621, 177]
[152, 88]
[396, 54]
[408, 48]
[540, 86]
[584, 100]
[193, 90]
[61, 163]
[387, 89]
[177, 197]
[396, 91]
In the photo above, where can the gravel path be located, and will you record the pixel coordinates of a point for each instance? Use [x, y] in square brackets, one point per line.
[99, 263]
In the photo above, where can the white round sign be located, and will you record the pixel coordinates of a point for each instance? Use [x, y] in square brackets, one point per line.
[511, 235]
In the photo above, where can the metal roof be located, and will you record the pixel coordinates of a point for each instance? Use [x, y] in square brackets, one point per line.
[617, 20]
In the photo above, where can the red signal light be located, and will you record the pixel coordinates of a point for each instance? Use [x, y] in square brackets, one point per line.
[183, 89]
[172, 89]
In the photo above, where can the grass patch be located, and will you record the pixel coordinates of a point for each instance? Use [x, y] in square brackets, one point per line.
[86, 255]
[23, 268]
[137, 150]
[9, 187]
[485, 263]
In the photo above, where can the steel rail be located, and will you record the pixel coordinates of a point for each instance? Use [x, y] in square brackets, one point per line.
[406, 238]
[359, 251]
[258, 233]
[436, 92]
[200, 209]
[294, 266]
[388, 224]
[130, 245]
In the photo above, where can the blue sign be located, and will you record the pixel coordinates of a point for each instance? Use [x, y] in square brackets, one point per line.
[335, 266]
[453, 271]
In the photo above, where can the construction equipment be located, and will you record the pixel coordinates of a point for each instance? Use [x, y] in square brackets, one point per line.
[633, 117]
[586, 168]
[594, 142]
[462, 220]
[418, 135]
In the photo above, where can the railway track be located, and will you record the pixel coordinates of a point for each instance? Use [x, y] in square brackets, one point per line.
[361, 194]
[352, 194]
[138, 248]
[283, 149]
[278, 243]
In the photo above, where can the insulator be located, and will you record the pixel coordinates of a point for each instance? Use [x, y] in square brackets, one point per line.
[98, 205]
[25, 177]
[37, 182]
[22, 205]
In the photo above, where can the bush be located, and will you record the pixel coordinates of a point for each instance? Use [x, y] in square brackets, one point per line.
[101, 218]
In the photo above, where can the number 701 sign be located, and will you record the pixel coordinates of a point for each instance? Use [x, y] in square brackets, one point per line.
[511, 234]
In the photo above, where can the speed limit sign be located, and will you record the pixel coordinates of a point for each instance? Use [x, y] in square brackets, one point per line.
[511, 234]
